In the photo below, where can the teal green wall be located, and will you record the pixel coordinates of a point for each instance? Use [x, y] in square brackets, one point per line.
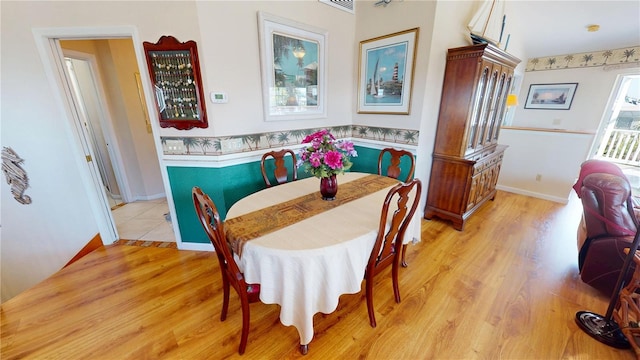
[229, 184]
[367, 162]
[224, 185]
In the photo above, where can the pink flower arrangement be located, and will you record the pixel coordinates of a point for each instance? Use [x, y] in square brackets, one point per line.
[324, 156]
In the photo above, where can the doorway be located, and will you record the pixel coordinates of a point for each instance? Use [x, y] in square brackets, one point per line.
[86, 86]
[103, 75]
[618, 138]
[136, 163]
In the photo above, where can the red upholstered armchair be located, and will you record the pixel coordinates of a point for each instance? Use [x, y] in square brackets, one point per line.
[609, 223]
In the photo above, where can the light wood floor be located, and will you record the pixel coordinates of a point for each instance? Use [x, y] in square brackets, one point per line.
[507, 287]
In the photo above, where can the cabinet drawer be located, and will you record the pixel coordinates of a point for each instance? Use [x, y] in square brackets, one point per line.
[483, 165]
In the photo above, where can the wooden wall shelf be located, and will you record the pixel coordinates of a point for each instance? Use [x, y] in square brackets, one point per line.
[175, 74]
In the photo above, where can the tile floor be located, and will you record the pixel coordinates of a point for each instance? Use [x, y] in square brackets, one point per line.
[144, 220]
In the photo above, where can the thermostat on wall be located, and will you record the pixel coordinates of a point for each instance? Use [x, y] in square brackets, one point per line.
[219, 97]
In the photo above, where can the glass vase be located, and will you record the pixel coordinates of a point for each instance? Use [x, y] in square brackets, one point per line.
[328, 187]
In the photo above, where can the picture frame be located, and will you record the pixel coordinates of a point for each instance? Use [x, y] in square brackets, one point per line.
[293, 60]
[385, 74]
[551, 96]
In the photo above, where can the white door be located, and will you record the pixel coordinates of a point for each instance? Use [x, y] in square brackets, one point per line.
[90, 108]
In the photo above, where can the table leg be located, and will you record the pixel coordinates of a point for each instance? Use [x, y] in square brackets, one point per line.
[304, 349]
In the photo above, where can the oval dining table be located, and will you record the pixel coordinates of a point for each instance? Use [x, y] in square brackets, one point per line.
[305, 251]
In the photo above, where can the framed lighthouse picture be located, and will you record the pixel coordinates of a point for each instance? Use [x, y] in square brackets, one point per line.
[385, 75]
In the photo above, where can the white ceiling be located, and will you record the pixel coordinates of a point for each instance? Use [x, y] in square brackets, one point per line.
[560, 27]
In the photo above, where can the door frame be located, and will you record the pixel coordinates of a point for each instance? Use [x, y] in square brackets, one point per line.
[52, 56]
[610, 110]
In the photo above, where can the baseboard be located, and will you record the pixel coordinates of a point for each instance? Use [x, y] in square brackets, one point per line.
[150, 197]
[533, 194]
[195, 246]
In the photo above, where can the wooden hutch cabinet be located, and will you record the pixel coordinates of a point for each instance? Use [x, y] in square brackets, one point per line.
[467, 156]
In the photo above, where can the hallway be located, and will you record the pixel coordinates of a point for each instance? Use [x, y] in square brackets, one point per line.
[144, 220]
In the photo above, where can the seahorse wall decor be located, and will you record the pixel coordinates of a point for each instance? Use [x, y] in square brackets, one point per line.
[16, 176]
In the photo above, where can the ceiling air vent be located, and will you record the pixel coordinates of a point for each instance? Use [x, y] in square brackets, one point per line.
[346, 5]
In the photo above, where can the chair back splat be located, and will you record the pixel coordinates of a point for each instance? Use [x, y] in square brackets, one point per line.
[394, 220]
[281, 172]
[393, 170]
[231, 275]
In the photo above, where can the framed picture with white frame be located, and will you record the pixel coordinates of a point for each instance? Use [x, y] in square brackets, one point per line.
[293, 59]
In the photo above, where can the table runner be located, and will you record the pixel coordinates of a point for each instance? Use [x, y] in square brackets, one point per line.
[249, 226]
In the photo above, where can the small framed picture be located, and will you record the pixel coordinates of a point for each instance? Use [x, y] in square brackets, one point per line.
[551, 96]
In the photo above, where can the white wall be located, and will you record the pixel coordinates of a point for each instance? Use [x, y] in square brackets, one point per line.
[374, 21]
[230, 61]
[555, 155]
[589, 102]
[449, 31]
[39, 238]
[377, 21]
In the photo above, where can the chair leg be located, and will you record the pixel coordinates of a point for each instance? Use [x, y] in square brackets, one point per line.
[394, 278]
[404, 251]
[245, 325]
[225, 298]
[370, 310]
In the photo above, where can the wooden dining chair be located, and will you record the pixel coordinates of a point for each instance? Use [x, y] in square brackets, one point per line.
[281, 172]
[394, 221]
[394, 169]
[231, 275]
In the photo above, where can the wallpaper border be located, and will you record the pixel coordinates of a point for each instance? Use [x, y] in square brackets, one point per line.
[212, 146]
[627, 55]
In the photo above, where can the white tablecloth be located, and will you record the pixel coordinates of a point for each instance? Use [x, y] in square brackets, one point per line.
[305, 267]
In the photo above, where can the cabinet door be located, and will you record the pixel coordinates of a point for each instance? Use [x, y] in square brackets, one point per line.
[506, 88]
[496, 107]
[478, 115]
[495, 173]
[493, 105]
[476, 184]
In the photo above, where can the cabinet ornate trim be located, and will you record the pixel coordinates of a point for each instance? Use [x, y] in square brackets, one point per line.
[466, 156]
[175, 74]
